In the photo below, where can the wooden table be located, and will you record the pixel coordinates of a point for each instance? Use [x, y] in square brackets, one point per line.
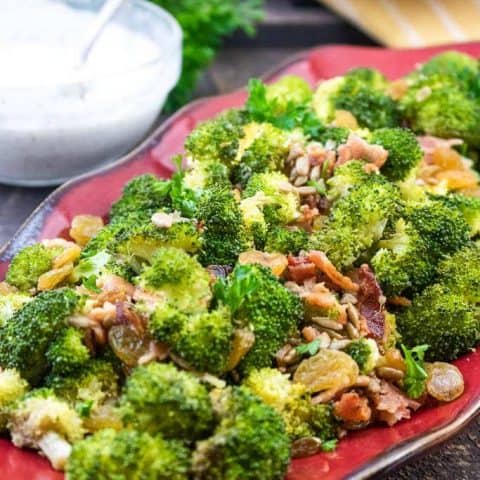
[285, 32]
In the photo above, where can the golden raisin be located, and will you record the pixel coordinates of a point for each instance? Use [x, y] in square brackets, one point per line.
[445, 381]
[84, 227]
[276, 262]
[69, 255]
[52, 278]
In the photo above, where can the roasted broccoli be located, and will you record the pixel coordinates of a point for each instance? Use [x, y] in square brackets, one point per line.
[362, 92]
[404, 152]
[42, 421]
[28, 264]
[249, 443]
[127, 455]
[25, 339]
[291, 400]
[178, 278]
[12, 388]
[443, 320]
[224, 235]
[365, 352]
[159, 398]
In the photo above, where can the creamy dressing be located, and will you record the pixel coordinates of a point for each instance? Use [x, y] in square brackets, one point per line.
[57, 119]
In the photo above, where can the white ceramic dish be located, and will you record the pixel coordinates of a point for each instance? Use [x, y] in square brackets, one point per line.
[57, 121]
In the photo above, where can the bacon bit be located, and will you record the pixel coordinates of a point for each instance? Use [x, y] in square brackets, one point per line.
[307, 217]
[430, 143]
[357, 148]
[310, 333]
[352, 408]
[299, 269]
[399, 301]
[320, 299]
[326, 266]
[370, 168]
[370, 303]
[391, 404]
[316, 153]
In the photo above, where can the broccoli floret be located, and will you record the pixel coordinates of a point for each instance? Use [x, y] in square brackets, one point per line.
[282, 201]
[362, 93]
[249, 443]
[272, 312]
[159, 398]
[289, 89]
[224, 235]
[337, 135]
[404, 152]
[28, 264]
[462, 68]
[166, 323]
[93, 391]
[179, 278]
[67, 353]
[142, 197]
[436, 105]
[346, 177]
[365, 352]
[205, 341]
[216, 140]
[468, 206]
[287, 240]
[403, 261]
[442, 229]
[301, 417]
[42, 421]
[9, 304]
[12, 388]
[357, 221]
[264, 148]
[461, 272]
[139, 244]
[127, 455]
[443, 320]
[25, 339]
[203, 175]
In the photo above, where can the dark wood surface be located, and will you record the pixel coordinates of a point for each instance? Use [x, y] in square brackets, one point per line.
[283, 33]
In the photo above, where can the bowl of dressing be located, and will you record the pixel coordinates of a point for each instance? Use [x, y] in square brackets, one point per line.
[58, 120]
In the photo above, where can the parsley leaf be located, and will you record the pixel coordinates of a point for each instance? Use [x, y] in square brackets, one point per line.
[183, 198]
[90, 283]
[84, 409]
[237, 288]
[309, 348]
[319, 186]
[415, 377]
[329, 445]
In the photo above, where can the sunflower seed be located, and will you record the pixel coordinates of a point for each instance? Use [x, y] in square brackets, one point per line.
[302, 164]
[299, 181]
[353, 315]
[315, 173]
[339, 344]
[306, 190]
[352, 331]
[389, 373]
[327, 323]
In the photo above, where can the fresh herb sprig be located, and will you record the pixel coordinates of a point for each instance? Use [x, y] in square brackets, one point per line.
[415, 376]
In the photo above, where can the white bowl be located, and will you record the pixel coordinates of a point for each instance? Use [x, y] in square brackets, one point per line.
[58, 121]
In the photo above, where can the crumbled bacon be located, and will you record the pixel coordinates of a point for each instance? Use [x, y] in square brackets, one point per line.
[326, 266]
[299, 269]
[391, 405]
[357, 148]
[371, 302]
[429, 144]
[352, 408]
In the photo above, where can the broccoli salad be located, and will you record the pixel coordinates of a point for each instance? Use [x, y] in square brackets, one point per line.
[311, 270]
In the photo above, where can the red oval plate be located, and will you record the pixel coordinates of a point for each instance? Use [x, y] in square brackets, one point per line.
[361, 454]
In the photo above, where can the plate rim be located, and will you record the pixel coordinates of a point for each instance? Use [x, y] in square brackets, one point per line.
[400, 453]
